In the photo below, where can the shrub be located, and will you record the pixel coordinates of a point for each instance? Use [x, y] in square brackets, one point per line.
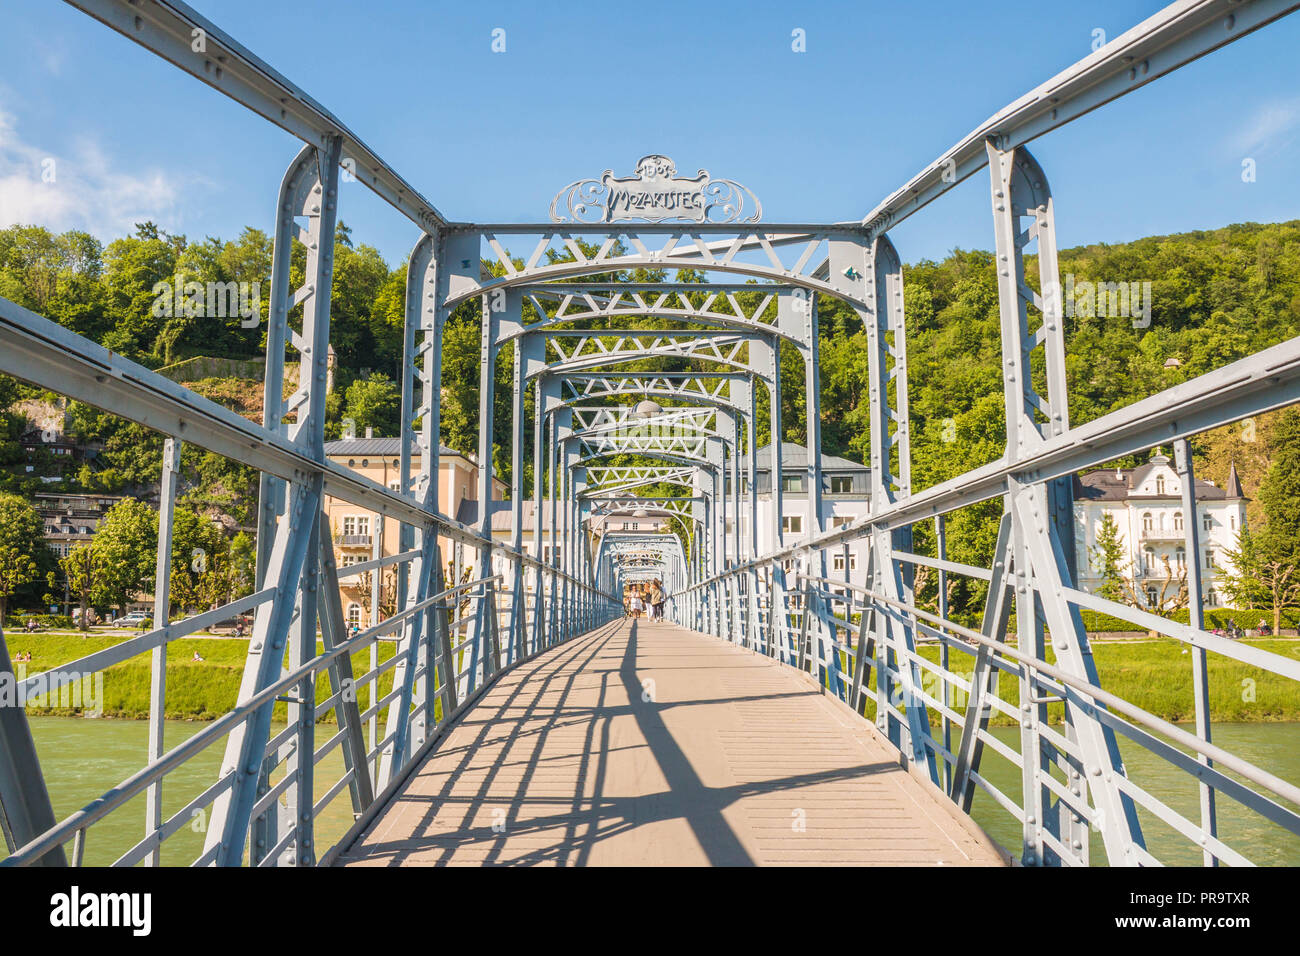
[59, 621]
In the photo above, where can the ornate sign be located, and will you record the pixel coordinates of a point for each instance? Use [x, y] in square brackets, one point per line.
[655, 194]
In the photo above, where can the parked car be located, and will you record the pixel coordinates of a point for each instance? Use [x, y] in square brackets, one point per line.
[134, 619]
[237, 626]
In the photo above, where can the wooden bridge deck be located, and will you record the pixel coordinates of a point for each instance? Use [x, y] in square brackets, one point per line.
[646, 744]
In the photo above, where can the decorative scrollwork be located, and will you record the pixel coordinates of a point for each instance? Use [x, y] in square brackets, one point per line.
[655, 194]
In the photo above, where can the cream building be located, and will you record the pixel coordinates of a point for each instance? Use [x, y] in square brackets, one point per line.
[846, 496]
[361, 535]
[1146, 505]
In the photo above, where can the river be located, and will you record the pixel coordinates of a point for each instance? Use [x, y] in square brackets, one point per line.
[83, 758]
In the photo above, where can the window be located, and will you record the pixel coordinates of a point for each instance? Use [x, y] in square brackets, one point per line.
[841, 485]
[1149, 560]
[1146, 521]
[841, 521]
[1160, 484]
[354, 614]
[1151, 597]
[1209, 557]
[395, 485]
[350, 559]
[1178, 521]
[1180, 557]
[837, 561]
[792, 524]
[1211, 598]
[792, 482]
[356, 524]
[1207, 522]
[1232, 522]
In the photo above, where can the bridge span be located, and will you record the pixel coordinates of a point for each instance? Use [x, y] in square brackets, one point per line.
[643, 743]
[634, 359]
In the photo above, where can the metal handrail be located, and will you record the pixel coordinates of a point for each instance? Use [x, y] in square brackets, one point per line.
[138, 782]
[1246, 769]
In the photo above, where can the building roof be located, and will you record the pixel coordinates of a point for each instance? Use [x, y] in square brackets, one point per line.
[467, 514]
[1233, 488]
[794, 455]
[97, 496]
[1117, 484]
[378, 446]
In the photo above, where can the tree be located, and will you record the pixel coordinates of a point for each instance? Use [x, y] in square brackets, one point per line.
[1279, 493]
[373, 402]
[127, 544]
[132, 268]
[81, 567]
[21, 539]
[200, 562]
[387, 597]
[1260, 577]
[243, 565]
[1108, 557]
[1266, 564]
[1165, 603]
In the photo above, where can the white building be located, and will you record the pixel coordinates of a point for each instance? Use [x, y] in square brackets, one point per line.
[1146, 506]
[846, 496]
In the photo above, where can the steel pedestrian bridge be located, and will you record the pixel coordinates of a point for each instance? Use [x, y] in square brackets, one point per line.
[784, 713]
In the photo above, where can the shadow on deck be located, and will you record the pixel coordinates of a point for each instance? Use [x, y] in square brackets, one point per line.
[646, 744]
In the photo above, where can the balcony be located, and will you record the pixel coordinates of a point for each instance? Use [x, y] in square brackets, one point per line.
[352, 540]
[1164, 534]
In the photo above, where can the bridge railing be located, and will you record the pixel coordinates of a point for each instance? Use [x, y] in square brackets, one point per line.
[939, 691]
[453, 669]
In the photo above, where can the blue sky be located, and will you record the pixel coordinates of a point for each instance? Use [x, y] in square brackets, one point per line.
[822, 135]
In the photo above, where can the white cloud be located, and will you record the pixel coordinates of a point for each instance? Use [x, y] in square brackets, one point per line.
[82, 190]
[1268, 128]
[52, 55]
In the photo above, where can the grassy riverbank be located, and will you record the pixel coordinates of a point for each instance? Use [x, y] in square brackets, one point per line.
[196, 690]
[1154, 674]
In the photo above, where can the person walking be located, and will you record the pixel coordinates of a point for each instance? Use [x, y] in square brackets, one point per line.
[660, 598]
[655, 599]
[636, 605]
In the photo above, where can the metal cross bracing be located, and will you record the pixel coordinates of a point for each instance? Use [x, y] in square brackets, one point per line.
[613, 479]
[595, 456]
[595, 350]
[596, 419]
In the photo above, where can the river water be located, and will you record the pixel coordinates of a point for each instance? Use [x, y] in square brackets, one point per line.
[83, 758]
